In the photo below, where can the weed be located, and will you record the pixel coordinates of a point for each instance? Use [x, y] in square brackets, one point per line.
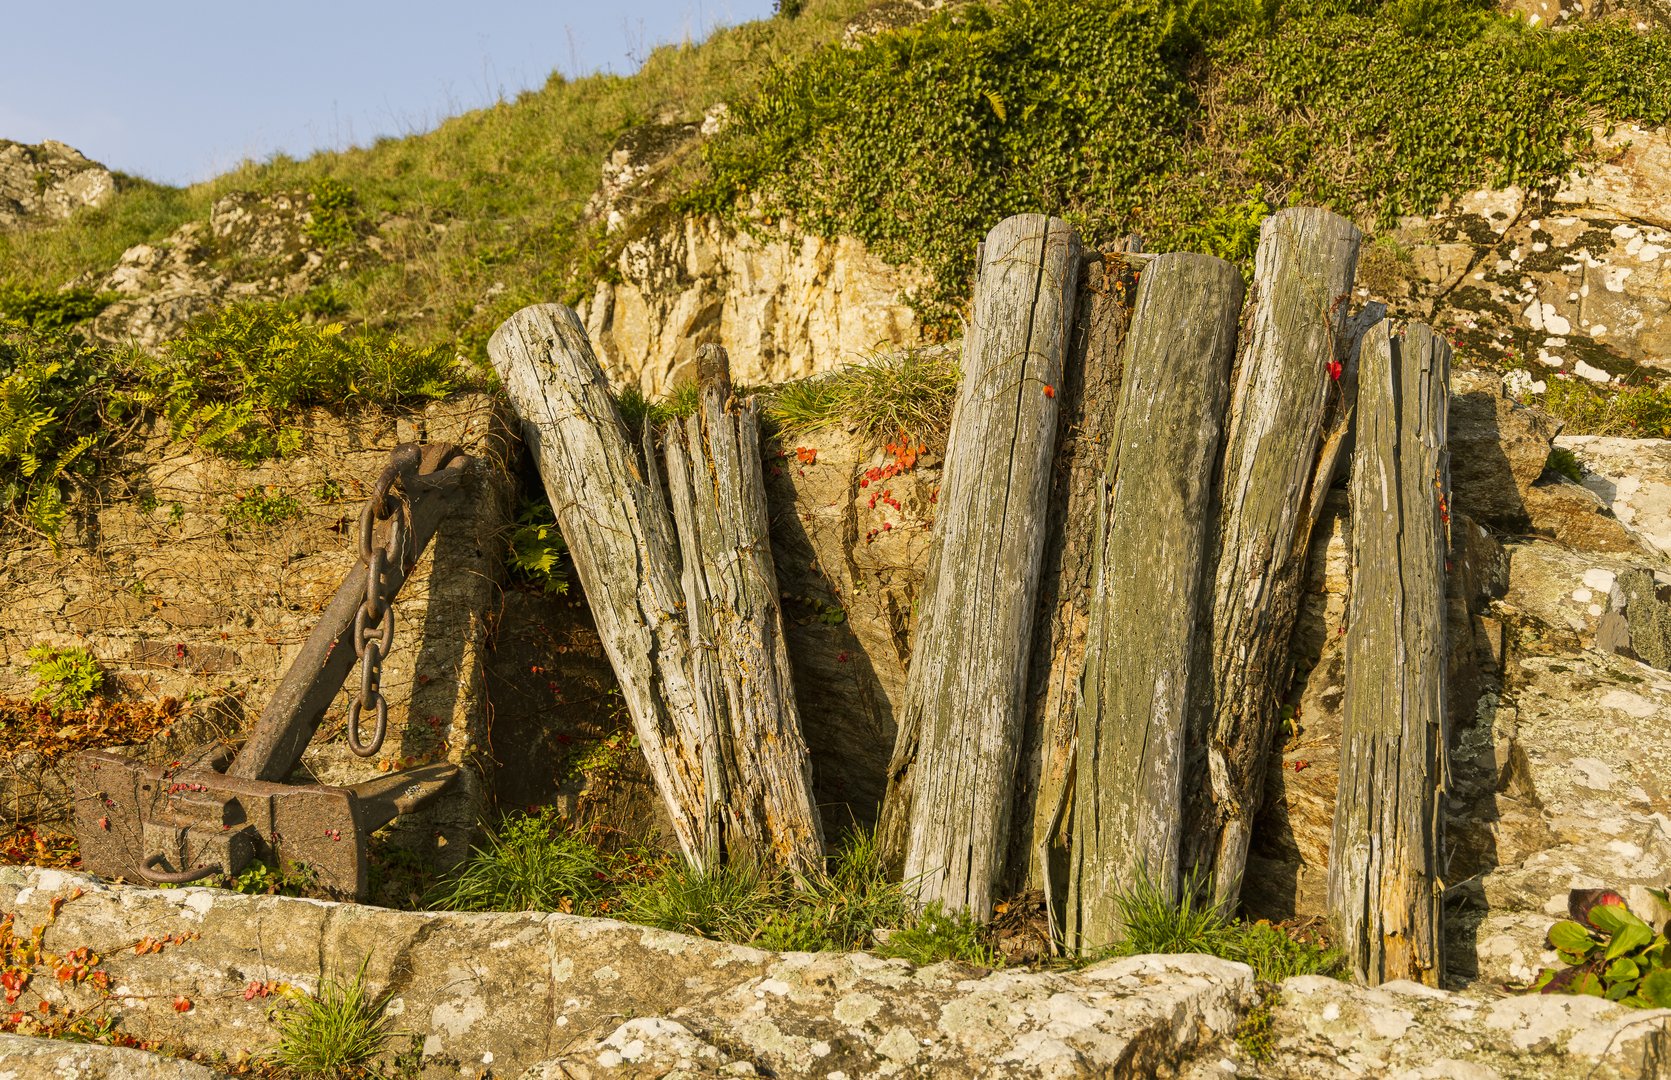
[529, 863]
[909, 392]
[1154, 922]
[54, 309]
[936, 935]
[840, 908]
[334, 1032]
[263, 507]
[333, 212]
[65, 678]
[1639, 411]
[638, 410]
[261, 879]
[536, 548]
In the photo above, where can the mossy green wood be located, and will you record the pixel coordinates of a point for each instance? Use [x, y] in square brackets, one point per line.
[1147, 589]
[951, 780]
[759, 776]
[1384, 892]
[685, 595]
[1284, 391]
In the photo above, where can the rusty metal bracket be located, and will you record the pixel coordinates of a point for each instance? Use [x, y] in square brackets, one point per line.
[214, 815]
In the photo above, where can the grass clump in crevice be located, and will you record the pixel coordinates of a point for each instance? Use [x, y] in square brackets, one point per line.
[910, 392]
[637, 409]
[1152, 921]
[335, 1032]
[530, 862]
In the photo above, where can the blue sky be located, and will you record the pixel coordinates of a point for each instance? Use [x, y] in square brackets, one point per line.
[179, 90]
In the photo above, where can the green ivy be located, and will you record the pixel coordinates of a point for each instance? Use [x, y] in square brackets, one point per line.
[1183, 120]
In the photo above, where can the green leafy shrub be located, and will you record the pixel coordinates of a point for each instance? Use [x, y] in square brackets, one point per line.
[536, 548]
[64, 678]
[51, 309]
[233, 380]
[1608, 952]
[529, 863]
[56, 412]
[262, 879]
[335, 1032]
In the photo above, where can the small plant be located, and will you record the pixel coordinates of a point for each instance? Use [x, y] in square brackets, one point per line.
[529, 863]
[263, 507]
[937, 935]
[1608, 952]
[335, 1032]
[51, 310]
[536, 548]
[1255, 1034]
[65, 678]
[262, 879]
[638, 410]
[1563, 462]
[332, 214]
[840, 908]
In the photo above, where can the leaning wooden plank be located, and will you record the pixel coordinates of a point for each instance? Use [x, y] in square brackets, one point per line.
[667, 634]
[1147, 589]
[1287, 378]
[950, 789]
[1384, 889]
[761, 789]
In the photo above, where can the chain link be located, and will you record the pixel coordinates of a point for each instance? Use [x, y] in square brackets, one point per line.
[374, 623]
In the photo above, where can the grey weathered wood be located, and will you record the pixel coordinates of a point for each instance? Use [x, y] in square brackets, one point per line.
[620, 531]
[950, 790]
[1283, 391]
[1384, 887]
[758, 774]
[1147, 589]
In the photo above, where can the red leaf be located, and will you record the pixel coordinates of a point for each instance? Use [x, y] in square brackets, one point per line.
[182, 1004]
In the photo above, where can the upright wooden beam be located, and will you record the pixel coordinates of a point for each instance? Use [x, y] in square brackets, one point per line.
[673, 607]
[951, 780]
[1384, 861]
[1287, 381]
[1147, 589]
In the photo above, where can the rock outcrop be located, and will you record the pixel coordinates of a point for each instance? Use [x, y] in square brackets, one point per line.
[48, 183]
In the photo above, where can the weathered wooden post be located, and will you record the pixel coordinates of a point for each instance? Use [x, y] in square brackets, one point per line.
[1287, 382]
[764, 777]
[1147, 588]
[664, 647]
[950, 789]
[1384, 890]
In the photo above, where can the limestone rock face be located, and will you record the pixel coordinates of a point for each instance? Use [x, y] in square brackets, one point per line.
[165, 285]
[47, 183]
[1575, 285]
[1632, 479]
[783, 306]
[24, 1058]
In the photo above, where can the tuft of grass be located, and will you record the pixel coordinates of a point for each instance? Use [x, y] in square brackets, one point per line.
[1640, 411]
[335, 1032]
[638, 410]
[529, 863]
[1154, 922]
[909, 392]
[841, 908]
[729, 903]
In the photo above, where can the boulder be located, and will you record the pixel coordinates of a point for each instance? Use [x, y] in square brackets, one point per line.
[24, 1058]
[570, 996]
[48, 183]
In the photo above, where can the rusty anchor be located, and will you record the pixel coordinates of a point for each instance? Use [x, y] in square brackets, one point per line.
[219, 811]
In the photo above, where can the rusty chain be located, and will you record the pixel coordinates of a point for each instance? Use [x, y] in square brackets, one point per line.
[374, 623]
